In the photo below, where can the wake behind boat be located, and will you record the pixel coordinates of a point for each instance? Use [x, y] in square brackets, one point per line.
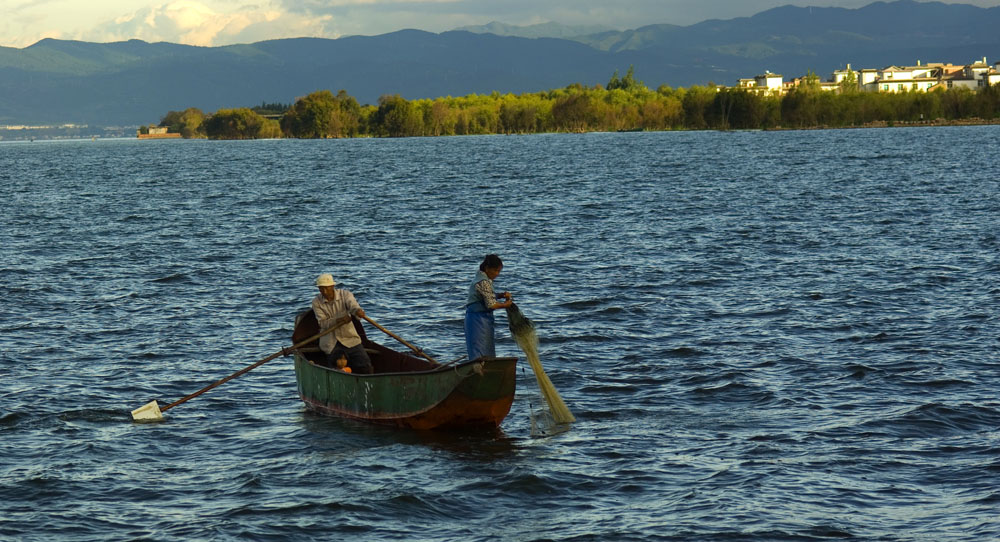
[404, 390]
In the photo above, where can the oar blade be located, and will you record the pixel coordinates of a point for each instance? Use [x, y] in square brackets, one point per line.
[150, 412]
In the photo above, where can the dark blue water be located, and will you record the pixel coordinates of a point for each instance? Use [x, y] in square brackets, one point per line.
[763, 336]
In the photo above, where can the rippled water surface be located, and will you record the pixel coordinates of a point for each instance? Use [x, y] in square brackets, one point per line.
[763, 335]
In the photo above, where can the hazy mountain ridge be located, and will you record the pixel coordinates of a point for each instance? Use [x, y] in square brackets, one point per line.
[901, 24]
[135, 82]
[541, 30]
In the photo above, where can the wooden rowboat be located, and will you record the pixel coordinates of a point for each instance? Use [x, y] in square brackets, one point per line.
[404, 390]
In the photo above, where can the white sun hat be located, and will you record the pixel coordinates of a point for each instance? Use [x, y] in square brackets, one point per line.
[325, 279]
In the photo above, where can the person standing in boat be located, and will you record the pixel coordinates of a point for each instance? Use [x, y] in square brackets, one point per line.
[331, 305]
[479, 307]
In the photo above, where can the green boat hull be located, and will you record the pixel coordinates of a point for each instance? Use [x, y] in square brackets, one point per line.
[406, 391]
[477, 393]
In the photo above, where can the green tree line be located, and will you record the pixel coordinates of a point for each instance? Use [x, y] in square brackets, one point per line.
[624, 104]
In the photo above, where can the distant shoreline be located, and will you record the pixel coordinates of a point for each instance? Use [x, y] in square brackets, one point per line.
[869, 125]
[904, 124]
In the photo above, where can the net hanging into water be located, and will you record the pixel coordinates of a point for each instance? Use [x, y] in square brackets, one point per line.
[523, 331]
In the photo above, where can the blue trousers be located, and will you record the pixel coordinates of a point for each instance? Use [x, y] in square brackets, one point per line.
[479, 333]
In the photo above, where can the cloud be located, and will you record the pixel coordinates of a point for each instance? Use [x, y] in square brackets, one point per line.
[379, 16]
[193, 23]
[223, 22]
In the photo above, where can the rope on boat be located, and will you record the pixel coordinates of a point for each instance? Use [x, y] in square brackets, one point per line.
[475, 368]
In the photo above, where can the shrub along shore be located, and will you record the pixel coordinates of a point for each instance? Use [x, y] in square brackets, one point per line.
[622, 105]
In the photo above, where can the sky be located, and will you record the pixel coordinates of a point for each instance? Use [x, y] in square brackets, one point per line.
[224, 22]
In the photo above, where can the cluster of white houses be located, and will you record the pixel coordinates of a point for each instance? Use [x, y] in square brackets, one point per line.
[919, 78]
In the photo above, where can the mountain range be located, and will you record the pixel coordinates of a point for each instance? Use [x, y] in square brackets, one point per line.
[134, 82]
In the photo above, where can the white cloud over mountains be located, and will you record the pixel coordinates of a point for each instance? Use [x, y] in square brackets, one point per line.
[191, 22]
[194, 23]
[223, 22]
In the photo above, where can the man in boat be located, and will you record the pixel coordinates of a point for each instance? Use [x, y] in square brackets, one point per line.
[331, 305]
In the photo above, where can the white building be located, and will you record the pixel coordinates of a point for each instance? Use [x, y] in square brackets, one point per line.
[993, 77]
[769, 81]
[840, 75]
[926, 77]
[919, 78]
[866, 77]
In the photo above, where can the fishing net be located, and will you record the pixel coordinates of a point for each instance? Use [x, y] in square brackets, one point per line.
[558, 415]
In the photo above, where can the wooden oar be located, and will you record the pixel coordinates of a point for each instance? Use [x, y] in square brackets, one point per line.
[394, 336]
[151, 411]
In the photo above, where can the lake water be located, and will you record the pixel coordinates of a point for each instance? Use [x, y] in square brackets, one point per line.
[762, 335]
